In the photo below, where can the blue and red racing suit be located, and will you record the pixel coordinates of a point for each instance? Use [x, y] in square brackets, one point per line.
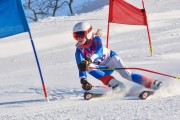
[102, 56]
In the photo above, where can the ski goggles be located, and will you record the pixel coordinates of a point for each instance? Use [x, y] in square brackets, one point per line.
[81, 34]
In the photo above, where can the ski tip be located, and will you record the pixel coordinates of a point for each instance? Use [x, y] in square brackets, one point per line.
[88, 96]
[145, 94]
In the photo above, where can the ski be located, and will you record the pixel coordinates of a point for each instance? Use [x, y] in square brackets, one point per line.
[145, 94]
[89, 95]
[101, 91]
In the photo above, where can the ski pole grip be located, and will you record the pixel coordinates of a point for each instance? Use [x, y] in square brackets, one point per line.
[177, 78]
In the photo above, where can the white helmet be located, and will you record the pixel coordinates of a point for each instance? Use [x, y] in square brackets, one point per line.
[83, 27]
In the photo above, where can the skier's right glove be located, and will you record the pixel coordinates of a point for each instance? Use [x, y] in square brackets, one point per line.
[85, 84]
[83, 65]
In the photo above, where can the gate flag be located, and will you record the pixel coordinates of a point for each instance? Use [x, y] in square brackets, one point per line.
[124, 13]
[13, 21]
[12, 18]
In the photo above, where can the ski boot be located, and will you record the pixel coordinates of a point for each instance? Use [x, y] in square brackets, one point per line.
[116, 85]
[156, 85]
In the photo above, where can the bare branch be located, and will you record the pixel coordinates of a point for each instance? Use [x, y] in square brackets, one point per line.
[37, 9]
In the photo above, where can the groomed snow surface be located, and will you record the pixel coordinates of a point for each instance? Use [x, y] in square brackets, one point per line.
[21, 94]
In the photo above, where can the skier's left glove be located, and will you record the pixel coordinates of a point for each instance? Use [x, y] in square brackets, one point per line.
[85, 84]
[83, 66]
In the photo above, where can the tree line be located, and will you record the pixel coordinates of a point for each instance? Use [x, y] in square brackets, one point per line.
[38, 9]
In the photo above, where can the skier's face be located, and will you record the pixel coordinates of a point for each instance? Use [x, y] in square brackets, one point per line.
[81, 41]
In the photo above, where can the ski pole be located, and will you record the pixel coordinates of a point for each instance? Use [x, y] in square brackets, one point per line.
[100, 86]
[105, 87]
[141, 69]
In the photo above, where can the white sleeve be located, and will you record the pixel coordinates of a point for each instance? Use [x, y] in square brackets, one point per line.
[94, 56]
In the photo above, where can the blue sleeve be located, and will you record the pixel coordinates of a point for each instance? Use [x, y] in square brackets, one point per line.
[98, 48]
[80, 57]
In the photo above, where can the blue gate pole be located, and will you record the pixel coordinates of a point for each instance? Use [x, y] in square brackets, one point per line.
[39, 68]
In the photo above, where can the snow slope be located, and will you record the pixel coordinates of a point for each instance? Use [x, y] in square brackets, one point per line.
[21, 95]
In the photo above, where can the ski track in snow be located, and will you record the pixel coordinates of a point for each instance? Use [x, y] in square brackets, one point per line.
[112, 109]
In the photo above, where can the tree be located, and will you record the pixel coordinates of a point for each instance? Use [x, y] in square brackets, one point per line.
[38, 9]
[57, 6]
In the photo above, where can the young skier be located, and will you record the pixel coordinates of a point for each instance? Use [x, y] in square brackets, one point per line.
[90, 54]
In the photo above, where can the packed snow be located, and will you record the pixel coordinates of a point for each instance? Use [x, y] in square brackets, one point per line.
[22, 97]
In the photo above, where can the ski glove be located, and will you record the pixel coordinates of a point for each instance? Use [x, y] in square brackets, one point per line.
[85, 84]
[89, 60]
[83, 66]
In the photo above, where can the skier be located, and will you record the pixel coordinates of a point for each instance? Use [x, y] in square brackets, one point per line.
[90, 53]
